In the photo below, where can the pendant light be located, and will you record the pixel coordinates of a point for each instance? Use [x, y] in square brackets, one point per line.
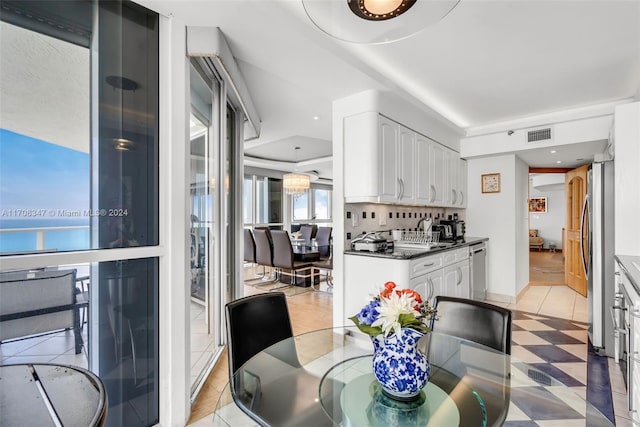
[124, 84]
[375, 21]
[296, 183]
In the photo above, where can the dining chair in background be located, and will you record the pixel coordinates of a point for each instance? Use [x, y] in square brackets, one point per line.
[254, 324]
[283, 257]
[475, 321]
[323, 239]
[308, 231]
[249, 247]
[264, 248]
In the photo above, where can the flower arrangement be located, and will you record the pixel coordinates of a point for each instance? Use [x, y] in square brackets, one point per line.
[393, 309]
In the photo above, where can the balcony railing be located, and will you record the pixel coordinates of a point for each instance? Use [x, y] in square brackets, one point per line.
[41, 242]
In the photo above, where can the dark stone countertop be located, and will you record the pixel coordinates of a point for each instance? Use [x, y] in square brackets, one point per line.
[410, 253]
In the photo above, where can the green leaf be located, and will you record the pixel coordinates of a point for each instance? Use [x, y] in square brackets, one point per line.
[367, 329]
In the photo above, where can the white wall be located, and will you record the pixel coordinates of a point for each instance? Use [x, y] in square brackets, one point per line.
[502, 218]
[549, 224]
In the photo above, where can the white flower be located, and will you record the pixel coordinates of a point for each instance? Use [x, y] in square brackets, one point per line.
[390, 310]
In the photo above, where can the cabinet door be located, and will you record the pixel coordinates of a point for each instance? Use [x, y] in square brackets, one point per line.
[452, 178]
[462, 183]
[456, 280]
[406, 159]
[421, 170]
[437, 171]
[389, 177]
[428, 285]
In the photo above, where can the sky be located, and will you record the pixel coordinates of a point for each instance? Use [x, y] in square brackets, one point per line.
[36, 174]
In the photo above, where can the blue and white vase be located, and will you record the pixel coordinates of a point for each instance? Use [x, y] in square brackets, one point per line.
[401, 369]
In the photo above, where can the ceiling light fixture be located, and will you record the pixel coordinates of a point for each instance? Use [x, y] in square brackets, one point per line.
[124, 84]
[296, 183]
[375, 21]
[553, 151]
[559, 161]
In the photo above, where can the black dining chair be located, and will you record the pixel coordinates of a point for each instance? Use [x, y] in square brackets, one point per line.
[475, 321]
[485, 324]
[308, 231]
[260, 325]
[264, 248]
[323, 239]
[249, 247]
[283, 257]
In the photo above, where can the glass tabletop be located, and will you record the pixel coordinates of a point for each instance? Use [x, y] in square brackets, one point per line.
[325, 378]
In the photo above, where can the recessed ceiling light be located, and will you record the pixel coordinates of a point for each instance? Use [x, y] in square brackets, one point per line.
[553, 151]
[316, 118]
[559, 161]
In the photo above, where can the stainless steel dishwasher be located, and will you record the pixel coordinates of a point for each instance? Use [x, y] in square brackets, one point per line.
[478, 267]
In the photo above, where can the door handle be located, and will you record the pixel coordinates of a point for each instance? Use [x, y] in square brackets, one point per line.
[433, 193]
[585, 208]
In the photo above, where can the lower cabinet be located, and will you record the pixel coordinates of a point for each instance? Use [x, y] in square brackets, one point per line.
[456, 280]
[428, 285]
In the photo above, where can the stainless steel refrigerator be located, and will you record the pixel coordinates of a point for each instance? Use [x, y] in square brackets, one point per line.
[598, 254]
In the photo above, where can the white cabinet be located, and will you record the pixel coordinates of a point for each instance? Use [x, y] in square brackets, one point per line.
[438, 174]
[456, 280]
[428, 285]
[390, 163]
[461, 200]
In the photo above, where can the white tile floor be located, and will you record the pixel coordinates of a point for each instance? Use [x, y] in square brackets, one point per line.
[202, 346]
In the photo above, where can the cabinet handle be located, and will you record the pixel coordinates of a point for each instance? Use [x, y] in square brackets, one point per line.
[398, 191]
[428, 265]
[433, 193]
[461, 198]
[430, 287]
[455, 196]
[401, 188]
[459, 281]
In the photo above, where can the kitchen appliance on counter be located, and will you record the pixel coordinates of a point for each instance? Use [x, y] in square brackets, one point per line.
[371, 242]
[597, 255]
[454, 230]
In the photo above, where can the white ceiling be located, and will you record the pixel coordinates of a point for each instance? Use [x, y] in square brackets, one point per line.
[488, 61]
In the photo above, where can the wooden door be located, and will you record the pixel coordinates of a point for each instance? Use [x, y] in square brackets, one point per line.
[576, 234]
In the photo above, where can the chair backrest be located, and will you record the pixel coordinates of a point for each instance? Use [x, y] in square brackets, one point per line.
[25, 291]
[249, 246]
[476, 321]
[253, 324]
[323, 238]
[282, 249]
[308, 231]
[264, 246]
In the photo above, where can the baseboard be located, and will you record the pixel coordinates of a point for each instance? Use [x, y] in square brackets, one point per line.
[500, 298]
[522, 292]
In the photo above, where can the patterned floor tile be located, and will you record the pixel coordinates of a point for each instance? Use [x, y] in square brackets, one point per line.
[580, 335]
[552, 354]
[576, 370]
[556, 337]
[578, 350]
[527, 338]
[560, 324]
[525, 355]
[540, 404]
[520, 424]
[532, 325]
[557, 374]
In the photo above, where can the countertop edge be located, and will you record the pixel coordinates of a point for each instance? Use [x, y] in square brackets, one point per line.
[468, 242]
[626, 263]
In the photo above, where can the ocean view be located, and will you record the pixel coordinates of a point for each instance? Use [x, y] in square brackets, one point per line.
[61, 240]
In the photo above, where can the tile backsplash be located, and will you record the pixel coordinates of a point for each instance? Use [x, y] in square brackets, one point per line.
[367, 217]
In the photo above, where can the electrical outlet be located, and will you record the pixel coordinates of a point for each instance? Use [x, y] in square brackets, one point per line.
[382, 220]
[354, 220]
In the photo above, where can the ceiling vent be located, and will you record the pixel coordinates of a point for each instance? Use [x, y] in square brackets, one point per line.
[538, 135]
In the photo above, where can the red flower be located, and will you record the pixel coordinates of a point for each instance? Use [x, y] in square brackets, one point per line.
[388, 288]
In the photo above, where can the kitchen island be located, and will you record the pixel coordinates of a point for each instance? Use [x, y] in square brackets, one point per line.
[441, 270]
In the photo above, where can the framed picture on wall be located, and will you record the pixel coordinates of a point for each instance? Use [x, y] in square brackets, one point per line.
[538, 205]
[490, 183]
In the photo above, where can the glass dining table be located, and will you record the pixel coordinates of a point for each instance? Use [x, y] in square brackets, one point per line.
[325, 378]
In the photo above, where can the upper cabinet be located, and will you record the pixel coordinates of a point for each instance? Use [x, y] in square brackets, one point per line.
[390, 163]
